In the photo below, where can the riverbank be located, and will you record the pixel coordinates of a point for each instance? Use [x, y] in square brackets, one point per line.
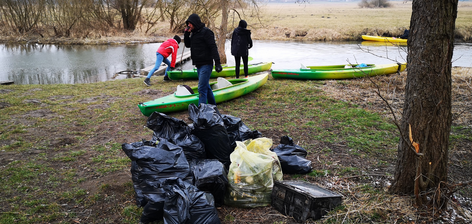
[326, 21]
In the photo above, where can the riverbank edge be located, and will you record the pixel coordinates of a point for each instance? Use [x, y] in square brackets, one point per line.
[159, 39]
[80, 41]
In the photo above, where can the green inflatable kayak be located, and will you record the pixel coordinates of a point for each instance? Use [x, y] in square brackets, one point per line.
[223, 90]
[338, 71]
[228, 71]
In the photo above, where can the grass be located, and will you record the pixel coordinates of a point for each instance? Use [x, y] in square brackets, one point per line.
[61, 153]
[331, 21]
[76, 117]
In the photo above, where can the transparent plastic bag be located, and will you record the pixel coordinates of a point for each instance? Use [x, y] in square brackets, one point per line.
[252, 172]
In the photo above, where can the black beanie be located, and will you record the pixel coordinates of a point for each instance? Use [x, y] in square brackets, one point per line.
[177, 38]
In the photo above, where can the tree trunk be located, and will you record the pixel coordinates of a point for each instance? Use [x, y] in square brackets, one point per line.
[130, 12]
[427, 105]
[221, 39]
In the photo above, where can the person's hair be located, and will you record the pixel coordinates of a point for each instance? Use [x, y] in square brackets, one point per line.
[177, 38]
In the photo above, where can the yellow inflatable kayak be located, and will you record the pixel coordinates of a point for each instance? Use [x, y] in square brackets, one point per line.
[384, 39]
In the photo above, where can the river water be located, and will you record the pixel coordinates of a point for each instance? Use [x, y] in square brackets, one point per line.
[70, 64]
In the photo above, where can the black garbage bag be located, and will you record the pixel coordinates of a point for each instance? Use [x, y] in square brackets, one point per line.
[210, 175]
[209, 127]
[296, 150]
[237, 130]
[154, 209]
[178, 132]
[292, 157]
[185, 204]
[138, 190]
[152, 165]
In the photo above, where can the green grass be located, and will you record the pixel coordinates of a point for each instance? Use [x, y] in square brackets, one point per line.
[64, 155]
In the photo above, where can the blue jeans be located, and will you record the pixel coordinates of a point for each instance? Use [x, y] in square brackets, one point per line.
[204, 89]
[159, 60]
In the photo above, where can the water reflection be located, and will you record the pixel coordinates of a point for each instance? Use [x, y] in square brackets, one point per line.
[51, 64]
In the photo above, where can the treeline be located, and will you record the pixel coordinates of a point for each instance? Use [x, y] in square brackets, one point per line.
[96, 18]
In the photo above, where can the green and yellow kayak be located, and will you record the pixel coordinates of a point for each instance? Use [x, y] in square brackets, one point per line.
[223, 90]
[384, 39]
[228, 71]
[338, 71]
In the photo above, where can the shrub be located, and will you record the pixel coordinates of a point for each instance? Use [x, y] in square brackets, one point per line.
[374, 4]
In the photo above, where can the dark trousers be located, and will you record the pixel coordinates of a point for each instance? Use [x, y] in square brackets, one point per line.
[238, 65]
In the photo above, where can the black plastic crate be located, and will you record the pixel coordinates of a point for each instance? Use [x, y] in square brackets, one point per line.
[303, 200]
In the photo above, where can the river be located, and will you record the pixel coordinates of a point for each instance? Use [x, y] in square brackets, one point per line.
[71, 64]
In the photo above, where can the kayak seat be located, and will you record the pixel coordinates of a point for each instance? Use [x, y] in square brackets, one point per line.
[184, 90]
[221, 83]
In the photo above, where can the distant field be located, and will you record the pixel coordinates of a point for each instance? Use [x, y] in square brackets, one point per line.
[315, 21]
[339, 20]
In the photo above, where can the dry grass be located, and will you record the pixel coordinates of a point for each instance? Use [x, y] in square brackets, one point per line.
[327, 21]
[340, 20]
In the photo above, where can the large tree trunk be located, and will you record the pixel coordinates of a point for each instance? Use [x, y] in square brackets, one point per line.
[427, 106]
[221, 39]
[130, 12]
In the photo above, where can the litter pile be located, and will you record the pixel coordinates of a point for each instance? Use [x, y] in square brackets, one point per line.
[185, 170]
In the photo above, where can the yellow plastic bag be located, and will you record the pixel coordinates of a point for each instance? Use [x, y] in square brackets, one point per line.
[263, 145]
[251, 173]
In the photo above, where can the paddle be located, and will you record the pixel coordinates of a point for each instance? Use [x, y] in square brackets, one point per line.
[181, 57]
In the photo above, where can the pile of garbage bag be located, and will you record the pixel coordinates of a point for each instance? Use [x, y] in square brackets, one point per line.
[185, 170]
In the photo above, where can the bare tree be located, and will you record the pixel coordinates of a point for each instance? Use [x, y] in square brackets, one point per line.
[130, 12]
[64, 15]
[223, 31]
[22, 16]
[104, 12]
[177, 12]
[423, 151]
[154, 15]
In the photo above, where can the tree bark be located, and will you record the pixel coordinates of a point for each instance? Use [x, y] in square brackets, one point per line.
[427, 105]
[221, 39]
[130, 12]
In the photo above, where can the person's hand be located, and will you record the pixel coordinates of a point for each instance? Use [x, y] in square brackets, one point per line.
[218, 68]
[189, 28]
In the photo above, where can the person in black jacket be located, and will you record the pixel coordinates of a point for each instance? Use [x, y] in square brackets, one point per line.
[405, 35]
[241, 42]
[203, 51]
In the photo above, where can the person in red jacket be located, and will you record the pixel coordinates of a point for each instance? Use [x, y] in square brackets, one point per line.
[167, 48]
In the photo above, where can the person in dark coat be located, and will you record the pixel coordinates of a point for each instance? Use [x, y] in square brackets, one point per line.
[241, 42]
[203, 51]
[405, 34]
